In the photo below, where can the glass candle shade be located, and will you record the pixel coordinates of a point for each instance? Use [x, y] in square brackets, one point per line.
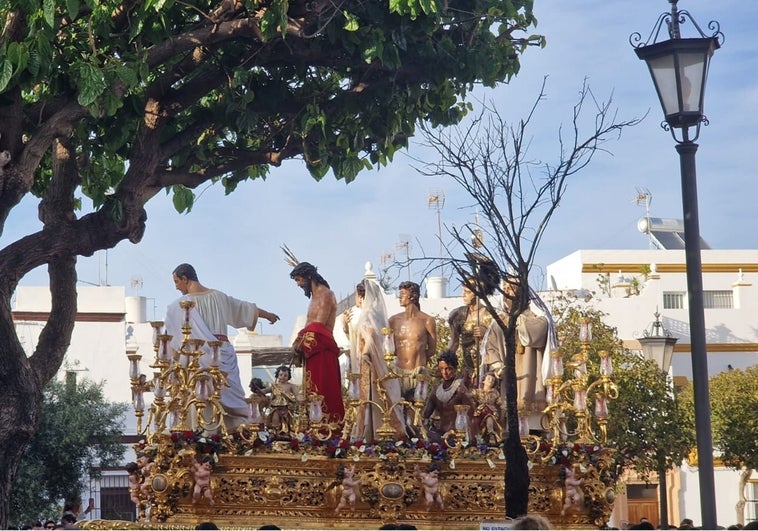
[255, 412]
[422, 389]
[606, 366]
[315, 410]
[461, 418]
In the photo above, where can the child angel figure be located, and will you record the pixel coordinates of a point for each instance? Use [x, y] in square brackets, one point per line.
[430, 482]
[201, 471]
[135, 481]
[573, 496]
[350, 486]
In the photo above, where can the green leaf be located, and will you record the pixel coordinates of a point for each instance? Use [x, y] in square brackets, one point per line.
[6, 71]
[48, 12]
[351, 23]
[183, 198]
[73, 8]
[91, 84]
[318, 171]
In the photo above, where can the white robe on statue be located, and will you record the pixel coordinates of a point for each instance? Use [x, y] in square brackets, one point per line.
[209, 318]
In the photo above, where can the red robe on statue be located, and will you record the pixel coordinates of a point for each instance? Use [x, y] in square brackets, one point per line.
[316, 344]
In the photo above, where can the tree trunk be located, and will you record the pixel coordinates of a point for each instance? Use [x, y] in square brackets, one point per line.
[663, 522]
[23, 377]
[19, 418]
[742, 499]
[516, 469]
[516, 477]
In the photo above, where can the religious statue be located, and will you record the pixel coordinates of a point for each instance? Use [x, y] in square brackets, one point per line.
[451, 392]
[430, 483]
[378, 389]
[210, 316]
[135, 481]
[468, 324]
[350, 484]
[315, 345]
[415, 337]
[572, 495]
[146, 465]
[488, 412]
[535, 340]
[201, 471]
[283, 396]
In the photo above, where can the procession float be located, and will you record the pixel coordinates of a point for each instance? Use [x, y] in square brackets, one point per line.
[299, 471]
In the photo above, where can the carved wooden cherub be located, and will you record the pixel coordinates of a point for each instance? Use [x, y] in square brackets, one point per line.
[430, 482]
[350, 485]
[572, 495]
[201, 470]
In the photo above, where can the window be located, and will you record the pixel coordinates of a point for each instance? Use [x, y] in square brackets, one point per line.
[712, 300]
[115, 501]
[673, 300]
[718, 299]
[751, 505]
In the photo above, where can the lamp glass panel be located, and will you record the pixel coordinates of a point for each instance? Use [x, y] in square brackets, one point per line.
[664, 77]
[691, 67]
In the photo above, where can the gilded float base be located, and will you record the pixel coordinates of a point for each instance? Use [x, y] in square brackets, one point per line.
[300, 491]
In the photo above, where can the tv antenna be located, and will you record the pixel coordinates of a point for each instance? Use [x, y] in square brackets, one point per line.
[136, 283]
[405, 244]
[644, 197]
[436, 201]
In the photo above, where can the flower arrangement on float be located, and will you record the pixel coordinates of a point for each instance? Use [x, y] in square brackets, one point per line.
[251, 442]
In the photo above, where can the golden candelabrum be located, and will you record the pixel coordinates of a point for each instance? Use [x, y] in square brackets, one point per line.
[570, 393]
[385, 404]
[186, 392]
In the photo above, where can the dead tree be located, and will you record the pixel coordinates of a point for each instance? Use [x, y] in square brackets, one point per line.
[516, 197]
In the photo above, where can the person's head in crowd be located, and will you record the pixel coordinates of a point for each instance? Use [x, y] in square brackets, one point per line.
[531, 521]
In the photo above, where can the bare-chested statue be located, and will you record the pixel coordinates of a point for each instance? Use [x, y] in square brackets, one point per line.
[316, 344]
[415, 335]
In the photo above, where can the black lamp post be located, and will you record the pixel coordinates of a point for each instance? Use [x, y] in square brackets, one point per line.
[658, 346]
[679, 68]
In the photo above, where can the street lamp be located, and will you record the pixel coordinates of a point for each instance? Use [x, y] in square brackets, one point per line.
[658, 346]
[679, 68]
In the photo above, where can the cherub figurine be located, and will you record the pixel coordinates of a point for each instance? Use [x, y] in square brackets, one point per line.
[350, 485]
[201, 470]
[431, 484]
[487, 414]
[573, 496]
[135, 481]
[145, 465]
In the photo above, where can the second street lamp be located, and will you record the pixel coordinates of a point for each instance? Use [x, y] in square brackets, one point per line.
[679, 68]
[658, 346]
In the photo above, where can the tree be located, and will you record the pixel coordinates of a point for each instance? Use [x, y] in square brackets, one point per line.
[516, 197]
[105, 103]
[79, 431]
[734, 401]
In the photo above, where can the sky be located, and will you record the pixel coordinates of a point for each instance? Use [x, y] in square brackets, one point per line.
[234, 241]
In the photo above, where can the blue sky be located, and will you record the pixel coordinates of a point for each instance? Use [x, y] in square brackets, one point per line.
[234, 241]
